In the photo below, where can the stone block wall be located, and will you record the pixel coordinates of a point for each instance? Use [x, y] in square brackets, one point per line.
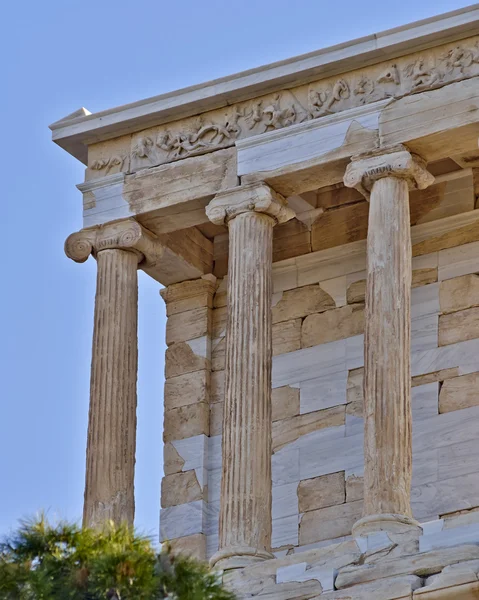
[186, 431]
[317, 461]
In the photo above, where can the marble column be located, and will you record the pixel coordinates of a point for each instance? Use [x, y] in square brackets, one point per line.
[245, 508]
[110, 460]
[385, 179]
[110, 456]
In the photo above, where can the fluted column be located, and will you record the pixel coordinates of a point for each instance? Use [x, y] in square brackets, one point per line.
[245, 509]
[385, 178]
[110, 456]
[110, 460]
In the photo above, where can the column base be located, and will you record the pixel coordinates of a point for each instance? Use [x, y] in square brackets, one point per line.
[238, 557]
[403, 531]
[391, 523]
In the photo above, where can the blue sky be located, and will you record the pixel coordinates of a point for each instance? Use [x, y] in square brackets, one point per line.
[58, 55]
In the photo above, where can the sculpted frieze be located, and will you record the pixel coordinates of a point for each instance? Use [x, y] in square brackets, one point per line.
[215, 131]
[221, 128]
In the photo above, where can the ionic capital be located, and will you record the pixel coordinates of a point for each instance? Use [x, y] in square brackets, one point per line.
[398, 162]
[125, 235]
[255, 197]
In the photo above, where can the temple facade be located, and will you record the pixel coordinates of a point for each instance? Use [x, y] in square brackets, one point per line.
[314, 224]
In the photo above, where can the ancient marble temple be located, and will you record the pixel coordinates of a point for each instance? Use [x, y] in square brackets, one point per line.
[314, 226]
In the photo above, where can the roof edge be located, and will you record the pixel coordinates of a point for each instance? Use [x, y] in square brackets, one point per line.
[74, 132]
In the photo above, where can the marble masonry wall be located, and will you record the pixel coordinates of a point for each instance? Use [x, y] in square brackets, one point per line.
[317, 461]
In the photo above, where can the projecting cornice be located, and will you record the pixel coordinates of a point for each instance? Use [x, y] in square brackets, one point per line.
[75, 132]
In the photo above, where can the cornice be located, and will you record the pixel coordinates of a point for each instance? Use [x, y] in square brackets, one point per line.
[75, 132]
[104, 182]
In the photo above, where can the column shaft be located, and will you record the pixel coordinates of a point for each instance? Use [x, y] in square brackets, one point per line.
[245, 514]
[387, 378]
[110, 463]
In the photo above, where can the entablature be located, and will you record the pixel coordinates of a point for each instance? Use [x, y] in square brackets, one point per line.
[294, 126]
[81, 129]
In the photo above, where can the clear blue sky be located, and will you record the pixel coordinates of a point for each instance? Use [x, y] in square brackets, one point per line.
[59, 55]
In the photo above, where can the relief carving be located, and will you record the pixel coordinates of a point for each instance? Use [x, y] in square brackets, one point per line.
[340, 92]
[460, 58]
[206, 137]
[222, 127]
[316, 101]
[108, 163]
[321, 103]
[390, 75]
[364, 89]
[277, 117]
[255, 116]
[422, 76]
[142, 148]
[167, 144]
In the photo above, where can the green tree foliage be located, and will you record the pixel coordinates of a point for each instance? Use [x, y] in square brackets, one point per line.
[64, 562]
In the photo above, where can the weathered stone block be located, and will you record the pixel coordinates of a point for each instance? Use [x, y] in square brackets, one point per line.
[424, 276]
[415, 564]
[455, 463]
[436, 376]
[329, 523]
[459, 392]
[354, 390]
[286, 336]
[461, 517]
[188, 325]
[289, 430]
[180, 488]
[459, 326]
[291, 239]
[193, 546]
[186, 421]
[218, 354]
[459, 293]
[390, 588]
[180, 359]
[102, 152]
[460, 579]
[462, 260]
[217, 392]
[340, 226]
[288, 591]
[177, 183]
[285, 402]
[172, 461]
[255, 578]
[220, 316]
[285, 532]
[336, 195]
[187, 389]
[324, 391]
[301, 302]
[450, 239]
[332, 325]
[354, 488]
[216, 418]
[188, 295]
[221, 297]
[356, 292]
[355, 408]
[320, 492]
[182, 520]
